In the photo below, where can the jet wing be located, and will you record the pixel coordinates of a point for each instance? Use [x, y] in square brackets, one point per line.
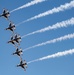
[4, 11]
[17, 49]
[10, 24]
[11, 38]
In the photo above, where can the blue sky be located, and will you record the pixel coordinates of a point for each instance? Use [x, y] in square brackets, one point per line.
[63, 65]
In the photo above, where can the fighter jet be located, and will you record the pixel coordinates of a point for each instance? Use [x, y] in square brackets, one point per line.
[5, 14]
[23, 65]
[17, 38]
[12, 41]
[18, 52]
[11, 27]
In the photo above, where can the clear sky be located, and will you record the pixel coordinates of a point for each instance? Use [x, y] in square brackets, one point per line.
[31, 15]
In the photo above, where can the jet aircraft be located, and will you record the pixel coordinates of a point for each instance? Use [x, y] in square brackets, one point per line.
[5, 14]
[17, 38]
[18, 52]
[12, 41]
[23, 65]
[11, 27]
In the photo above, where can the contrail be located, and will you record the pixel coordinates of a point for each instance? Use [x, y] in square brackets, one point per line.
[65, 23]
[52, 11]
[28, 4]
[65, 37]
[58, 54]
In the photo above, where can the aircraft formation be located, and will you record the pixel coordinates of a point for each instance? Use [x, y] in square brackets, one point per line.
[14, 40]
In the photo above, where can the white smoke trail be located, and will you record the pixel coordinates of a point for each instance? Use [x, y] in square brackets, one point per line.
[28, 4]
[55, 26]
[52, 11]
[69, 36]
[59, 54]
